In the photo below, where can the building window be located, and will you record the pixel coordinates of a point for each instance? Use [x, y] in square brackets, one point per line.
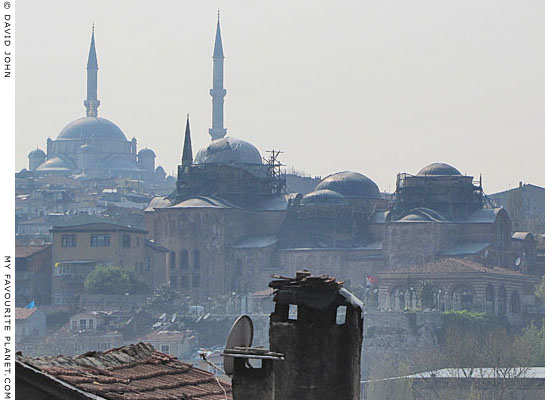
[184, 259]
[90, 323]
[126, 241]
[68, 240]
[184, 282]
[196, 280]
[100, 240]
[74, 324]
[196, 260]
[137, 241]
[515, 303]
[82, 324]
[172, 259]
[164, 348]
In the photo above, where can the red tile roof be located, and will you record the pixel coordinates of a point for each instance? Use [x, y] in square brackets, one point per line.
[452, 265]
[133, 372]
[24, 313]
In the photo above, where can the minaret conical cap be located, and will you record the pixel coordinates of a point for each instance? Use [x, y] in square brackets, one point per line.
[218, 50]
[92, 58]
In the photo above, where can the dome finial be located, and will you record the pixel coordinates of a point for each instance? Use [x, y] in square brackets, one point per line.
[93, 27]
[218, 15]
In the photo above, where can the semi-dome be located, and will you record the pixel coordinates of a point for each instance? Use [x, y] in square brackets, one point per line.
[350, 184]
[91, 128]
[55, 164]
[36, 153]
[324, 197]
[228, 150]
[438, 169]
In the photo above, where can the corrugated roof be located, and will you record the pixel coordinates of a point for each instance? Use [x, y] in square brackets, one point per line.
[133, 372]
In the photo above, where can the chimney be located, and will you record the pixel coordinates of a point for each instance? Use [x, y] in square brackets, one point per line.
[315, 337]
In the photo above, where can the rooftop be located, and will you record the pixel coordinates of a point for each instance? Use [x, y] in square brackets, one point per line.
[24, 313]
[136, 371]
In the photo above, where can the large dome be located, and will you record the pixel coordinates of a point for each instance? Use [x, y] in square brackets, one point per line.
[228, 150]
[438, 169]
[350, 184]
[91, 128]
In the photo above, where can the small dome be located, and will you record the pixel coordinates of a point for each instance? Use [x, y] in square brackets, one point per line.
[160, 169]
[54, 164]
[146, 153]
[422, 214]
[351, 185]
[228, 150]
[91, 128]
[36, 153]
[323, 197]
[438, 169]
[86, 148]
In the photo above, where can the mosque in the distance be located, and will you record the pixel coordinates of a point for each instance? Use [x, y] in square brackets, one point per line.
[92, 147]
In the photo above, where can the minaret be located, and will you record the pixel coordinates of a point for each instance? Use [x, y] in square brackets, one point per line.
[91, 103]
[218, 92]
[187, 159]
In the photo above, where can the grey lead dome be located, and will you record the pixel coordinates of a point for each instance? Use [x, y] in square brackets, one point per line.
[438, 169]
[92, 128]
[351, 185]
[229, 150]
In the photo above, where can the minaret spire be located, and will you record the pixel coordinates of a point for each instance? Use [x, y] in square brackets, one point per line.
[218, 92]
[91, 103]
[187, 147]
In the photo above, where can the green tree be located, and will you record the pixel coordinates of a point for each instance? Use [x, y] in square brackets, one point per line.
[113, 280]
[539, 292]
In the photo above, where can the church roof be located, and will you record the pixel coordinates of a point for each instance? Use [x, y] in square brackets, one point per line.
[228, 150]
[438, 169]
[351, 185]
[91, 128]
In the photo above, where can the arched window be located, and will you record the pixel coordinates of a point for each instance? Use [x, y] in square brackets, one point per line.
[490, 299]
[196, 261]
[502, 300]
[172, 259]
[463, 297]
[515, 303]
[184, 259]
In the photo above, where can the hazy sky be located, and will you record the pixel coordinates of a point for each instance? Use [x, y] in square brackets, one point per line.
[377, 86]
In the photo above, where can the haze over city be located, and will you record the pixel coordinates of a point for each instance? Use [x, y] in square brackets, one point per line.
[377, 87]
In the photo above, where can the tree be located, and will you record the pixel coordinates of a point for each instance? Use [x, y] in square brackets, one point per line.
[113, 280]
[162, 299]
[539, 292]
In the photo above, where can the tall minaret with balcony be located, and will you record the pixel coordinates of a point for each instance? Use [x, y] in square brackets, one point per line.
[218, 92]
[91, 103]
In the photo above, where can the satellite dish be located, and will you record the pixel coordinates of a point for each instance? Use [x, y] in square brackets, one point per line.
[240, 335]
[517, 262]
